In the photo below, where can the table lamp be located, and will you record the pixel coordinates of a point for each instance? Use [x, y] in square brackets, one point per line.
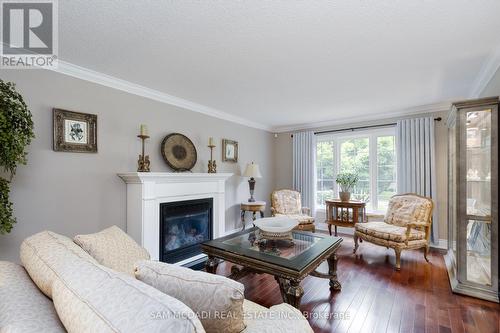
[253, 172]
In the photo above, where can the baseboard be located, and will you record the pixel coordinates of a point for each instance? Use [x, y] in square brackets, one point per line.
[229, 232]
[442, 244]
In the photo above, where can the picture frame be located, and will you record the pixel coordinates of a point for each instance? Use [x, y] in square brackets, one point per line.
[74, 132]
[229, 151]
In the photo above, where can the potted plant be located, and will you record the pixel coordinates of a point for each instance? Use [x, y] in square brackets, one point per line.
[16, 132]
[346, 182]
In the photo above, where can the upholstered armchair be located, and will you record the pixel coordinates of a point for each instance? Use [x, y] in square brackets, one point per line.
[289, 203]
[406, 226]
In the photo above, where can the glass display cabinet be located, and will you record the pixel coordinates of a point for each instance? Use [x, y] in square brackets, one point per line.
[472, 257]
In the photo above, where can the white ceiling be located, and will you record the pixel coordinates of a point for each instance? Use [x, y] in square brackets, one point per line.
[288, 62]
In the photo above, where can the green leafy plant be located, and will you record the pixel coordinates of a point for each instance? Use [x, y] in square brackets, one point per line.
[7, 218]
[347, 181]
[16, 133]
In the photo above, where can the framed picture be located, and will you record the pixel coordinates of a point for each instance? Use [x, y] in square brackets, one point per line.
[75, 131]
[229, 151]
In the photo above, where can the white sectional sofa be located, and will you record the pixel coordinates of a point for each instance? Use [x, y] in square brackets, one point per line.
[62, 288]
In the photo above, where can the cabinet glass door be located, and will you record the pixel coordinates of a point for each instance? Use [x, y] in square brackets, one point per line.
[452, 193]
[478, 187]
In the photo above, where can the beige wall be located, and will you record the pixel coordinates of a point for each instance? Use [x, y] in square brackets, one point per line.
[283, 165]
[493, 87]
[73, 193]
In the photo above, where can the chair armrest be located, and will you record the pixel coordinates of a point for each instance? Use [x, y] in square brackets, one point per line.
[415, 225]
[306, 210]
[273, 211]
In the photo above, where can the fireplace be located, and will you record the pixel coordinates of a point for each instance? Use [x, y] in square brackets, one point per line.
[183, 226]
[147, 191]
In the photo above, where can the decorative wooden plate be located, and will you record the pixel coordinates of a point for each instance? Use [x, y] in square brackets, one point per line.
[179, 152]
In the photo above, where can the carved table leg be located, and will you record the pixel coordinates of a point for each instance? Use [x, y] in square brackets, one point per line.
[254, 217]
[332, 271]
[282, 287]
[261, 214]
[243, 220]
[291, 291]
[356, 244]
[211, 265]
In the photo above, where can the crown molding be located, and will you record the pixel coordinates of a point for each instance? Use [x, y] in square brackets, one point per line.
[86, 74]
[486, 74]
[428, 108]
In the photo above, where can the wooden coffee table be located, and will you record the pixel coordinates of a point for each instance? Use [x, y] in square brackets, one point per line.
[289, 262]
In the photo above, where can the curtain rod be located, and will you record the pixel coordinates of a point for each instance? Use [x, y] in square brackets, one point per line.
[352, 129]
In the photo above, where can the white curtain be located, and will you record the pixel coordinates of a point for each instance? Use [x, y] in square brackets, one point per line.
[304, 164]
[416, 161]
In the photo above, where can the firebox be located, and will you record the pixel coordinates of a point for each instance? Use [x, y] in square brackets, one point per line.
[183, 226]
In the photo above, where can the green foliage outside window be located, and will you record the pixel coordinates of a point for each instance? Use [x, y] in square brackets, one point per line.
[324, 171]
[386, 170]
[16, 133]
[354, 157]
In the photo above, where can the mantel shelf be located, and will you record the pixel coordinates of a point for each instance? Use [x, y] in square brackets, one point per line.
[171, 177]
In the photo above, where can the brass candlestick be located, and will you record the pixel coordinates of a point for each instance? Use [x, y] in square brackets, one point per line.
[143, 162]
[212, 166]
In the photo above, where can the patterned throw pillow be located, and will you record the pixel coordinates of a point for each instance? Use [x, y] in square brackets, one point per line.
[113, 248]
[217, 300]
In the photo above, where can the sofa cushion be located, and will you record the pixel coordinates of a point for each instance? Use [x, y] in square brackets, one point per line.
[23, 308]
[40, 252]
[113, 248]
[404, 209]
[89, 297]
[281, 318]
[217, 300]
[388, 231]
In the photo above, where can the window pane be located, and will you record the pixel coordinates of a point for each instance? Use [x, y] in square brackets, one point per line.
[386, 170]
[354, 157]
[324, 172]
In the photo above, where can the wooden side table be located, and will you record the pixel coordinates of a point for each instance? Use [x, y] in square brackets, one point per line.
[254, 207]
[344, 213]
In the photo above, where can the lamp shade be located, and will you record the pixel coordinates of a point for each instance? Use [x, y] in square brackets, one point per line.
[252, 170]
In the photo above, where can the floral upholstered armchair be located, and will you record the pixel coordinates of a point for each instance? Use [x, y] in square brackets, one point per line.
[288, 203]
[407, 225]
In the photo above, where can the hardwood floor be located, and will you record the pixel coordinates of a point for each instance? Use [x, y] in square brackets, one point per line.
[376, 298]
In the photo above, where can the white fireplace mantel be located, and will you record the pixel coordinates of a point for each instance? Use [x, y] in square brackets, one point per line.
[146, 191]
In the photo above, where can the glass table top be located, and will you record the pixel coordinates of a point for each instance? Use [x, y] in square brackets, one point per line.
[303, 249]
[281, 248]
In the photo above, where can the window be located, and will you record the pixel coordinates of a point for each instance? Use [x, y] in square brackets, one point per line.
[371, 154]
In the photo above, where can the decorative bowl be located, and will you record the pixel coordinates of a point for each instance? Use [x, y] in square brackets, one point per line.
[276, 225]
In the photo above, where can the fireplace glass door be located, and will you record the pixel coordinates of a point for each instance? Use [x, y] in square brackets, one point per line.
[183, 226]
